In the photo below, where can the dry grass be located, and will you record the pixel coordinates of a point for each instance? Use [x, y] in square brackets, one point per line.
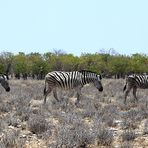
[101, 120]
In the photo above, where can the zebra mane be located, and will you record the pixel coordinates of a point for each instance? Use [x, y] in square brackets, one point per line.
[3, 75]
[87, 71]
[137, 75]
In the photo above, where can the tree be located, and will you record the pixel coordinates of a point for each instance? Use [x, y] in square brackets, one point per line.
[38, 65]
[93, 62]
[139, 63]
[118, 65]
[6, 60]
[20, 64]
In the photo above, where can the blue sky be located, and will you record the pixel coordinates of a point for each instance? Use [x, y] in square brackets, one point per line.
[74, 26]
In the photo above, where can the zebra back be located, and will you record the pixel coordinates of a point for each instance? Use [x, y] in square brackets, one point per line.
[69, 80]
[65, 80]
[140, 81]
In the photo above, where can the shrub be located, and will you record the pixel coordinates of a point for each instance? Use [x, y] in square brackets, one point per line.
[127, 144]
[104, 137]
[24, 112]
[14, 121]
[128, 135]
[129, 124]
[5, 107]
[37, 124]
[74, 136]
[2, 125]
[9, 138]
[145, 131]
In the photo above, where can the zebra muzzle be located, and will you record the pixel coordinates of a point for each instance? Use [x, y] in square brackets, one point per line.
[101, 89]
[8, 89]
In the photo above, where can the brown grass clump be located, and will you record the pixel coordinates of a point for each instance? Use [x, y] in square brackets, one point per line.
[104, 137]
[37, 124]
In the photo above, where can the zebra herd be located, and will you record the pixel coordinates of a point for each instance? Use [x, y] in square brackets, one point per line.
[77, 79]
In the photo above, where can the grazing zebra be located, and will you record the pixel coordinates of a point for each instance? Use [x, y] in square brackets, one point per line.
[135, 81]
[70, 80]
[4, 82]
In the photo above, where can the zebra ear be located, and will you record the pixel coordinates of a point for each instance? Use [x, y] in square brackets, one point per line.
[99, 77]
[7, 77]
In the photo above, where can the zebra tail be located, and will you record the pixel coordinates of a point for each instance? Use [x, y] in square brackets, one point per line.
[124, 87]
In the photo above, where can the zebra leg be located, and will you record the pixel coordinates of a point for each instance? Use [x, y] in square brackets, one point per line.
[78, 95]
[134, 93]
[55, 94]
[46, 93]
[126, 94]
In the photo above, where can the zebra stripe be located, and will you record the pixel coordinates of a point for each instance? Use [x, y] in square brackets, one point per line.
[70, 80]
[4, 82]
[133, 82]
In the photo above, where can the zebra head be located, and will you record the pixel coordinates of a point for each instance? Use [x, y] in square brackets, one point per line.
[4, 82]
[97, 83]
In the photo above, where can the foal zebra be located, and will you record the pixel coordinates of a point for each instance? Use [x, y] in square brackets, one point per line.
[135, 81]
[70, 80]
[4, 82]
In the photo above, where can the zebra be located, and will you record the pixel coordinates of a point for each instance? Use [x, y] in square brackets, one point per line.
[135, 81]
[70, 80]
[4, 82]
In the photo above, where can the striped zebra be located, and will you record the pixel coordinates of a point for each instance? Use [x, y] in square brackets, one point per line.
[70, 80]
[135, 81]
[4, 82]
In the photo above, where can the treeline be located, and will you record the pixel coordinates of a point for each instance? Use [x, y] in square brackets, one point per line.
[36, 65]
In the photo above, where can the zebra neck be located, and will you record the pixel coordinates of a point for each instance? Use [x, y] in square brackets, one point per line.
[87, 80]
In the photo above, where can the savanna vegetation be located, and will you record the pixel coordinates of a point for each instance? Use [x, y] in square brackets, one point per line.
[101, 120]
[36, 65]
